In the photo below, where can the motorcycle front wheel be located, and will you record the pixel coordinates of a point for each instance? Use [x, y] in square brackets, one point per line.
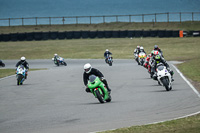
[19, 79]
[99, 97]
[166, 84]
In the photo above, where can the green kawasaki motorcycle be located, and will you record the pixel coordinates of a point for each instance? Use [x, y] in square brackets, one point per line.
[98, 88]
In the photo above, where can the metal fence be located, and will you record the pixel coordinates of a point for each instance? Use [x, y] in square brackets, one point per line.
[155, 17]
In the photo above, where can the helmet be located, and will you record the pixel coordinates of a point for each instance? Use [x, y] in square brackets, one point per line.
[138, 47]
[87, 68]
[55, 54]
[23, 58]
[156, 47]
[157, 58]
[107, 50]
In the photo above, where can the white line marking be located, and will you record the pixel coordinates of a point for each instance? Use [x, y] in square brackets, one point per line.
[191, 86]
[7, 77]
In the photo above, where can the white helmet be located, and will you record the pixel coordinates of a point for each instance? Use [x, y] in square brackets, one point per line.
[55, 54]
[141, 48]
[23, 58]
[87, 68]
[107, 50]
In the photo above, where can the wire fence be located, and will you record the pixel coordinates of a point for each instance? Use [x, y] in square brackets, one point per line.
[155, 17]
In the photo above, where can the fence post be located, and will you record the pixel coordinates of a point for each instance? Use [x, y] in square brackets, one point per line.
[103, 19]
[49, 20]
[9, 22]
[22, 21]
[192, 16]
[129, 18]
[168, 17]
[180, 17]
[155, 18]
[36, 21]
[63, 20]
[142, 18]
[76, 20]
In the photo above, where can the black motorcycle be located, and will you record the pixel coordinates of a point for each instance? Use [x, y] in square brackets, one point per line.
[2, 64]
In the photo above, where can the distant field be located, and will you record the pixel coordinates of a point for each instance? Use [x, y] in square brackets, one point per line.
[187, 26]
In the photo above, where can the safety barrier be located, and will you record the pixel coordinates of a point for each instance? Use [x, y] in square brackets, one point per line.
[95, 34]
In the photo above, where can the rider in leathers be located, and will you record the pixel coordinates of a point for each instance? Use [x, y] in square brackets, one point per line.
[159, 59]
[88, 70]
[106, 54]
[24, 63]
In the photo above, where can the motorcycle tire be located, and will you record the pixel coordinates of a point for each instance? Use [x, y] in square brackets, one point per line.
[99, 97]
[109, 99]
[3, 65]
[19, 79]
[64, 63]
[110, 63]
[166, 84]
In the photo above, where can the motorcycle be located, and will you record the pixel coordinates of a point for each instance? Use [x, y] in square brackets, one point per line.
[59, 61]
[136, 58]
[2, 64]
[164, 77]
[21, 73]
[109, 60]
[98, 88]
[141, 59]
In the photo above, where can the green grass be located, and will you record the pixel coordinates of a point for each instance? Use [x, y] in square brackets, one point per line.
[184, 125]
[187, 26]
[122, 48]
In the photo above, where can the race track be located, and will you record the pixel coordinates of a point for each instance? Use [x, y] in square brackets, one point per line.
[54, 100]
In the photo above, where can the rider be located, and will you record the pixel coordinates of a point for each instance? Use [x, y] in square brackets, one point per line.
[136, 52]
[159, 59]
[56, 57]
[24, 63]
[147, 61]
[158, 49]
[142, 50]
[88, 70]
[106, 54]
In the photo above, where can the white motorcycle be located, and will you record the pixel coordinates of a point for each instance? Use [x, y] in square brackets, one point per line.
[142, 57]
[164, 77]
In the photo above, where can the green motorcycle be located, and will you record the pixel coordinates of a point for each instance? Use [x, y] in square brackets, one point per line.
[98, 88]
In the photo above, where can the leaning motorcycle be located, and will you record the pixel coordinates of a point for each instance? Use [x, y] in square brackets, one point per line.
[59, 61]
[20, 74]
[142, 57]
[98, 88]
[164, 77]
[109, 60]
[2, 64]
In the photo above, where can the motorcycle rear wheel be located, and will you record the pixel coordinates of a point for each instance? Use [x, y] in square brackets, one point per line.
[109, 99]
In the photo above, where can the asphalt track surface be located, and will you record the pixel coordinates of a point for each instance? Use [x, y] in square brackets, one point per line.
[54, 100]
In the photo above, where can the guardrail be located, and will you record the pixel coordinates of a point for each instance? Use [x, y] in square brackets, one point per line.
[155, 17]
[95, 34]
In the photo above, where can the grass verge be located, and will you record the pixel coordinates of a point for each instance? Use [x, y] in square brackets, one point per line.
[184, 125]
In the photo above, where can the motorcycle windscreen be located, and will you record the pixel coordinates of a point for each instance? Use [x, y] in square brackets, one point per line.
[92, 78]
[160, 68]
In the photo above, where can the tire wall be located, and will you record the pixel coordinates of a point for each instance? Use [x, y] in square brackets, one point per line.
[96, 34]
